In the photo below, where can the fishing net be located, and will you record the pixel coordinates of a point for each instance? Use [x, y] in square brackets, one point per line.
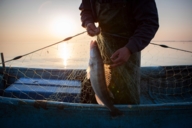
[58, 73]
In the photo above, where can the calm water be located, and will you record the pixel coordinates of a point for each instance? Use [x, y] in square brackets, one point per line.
[75, 54]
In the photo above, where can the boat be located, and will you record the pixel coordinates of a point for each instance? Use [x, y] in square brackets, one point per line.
[163, 104]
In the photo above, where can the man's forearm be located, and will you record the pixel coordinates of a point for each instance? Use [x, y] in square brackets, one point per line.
[86, 12]
[86, 17]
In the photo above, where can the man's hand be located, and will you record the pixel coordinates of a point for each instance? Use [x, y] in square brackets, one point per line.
[120, 57]
[92, 30]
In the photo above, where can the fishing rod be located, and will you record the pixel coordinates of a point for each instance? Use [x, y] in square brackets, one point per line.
[68, 38]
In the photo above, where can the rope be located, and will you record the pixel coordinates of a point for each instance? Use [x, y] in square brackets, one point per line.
[165, 46]
[68, 38]
[161, 45]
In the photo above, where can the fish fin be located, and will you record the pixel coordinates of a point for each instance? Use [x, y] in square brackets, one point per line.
[98, 100]
[116, 113]
[107, 71]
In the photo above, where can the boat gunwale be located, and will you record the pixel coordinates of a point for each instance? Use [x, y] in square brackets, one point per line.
[67, 105]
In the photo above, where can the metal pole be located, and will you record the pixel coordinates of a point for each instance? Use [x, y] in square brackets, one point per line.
[5, 77]
[2, 60]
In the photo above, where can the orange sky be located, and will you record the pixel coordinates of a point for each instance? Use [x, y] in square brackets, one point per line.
[39, 21]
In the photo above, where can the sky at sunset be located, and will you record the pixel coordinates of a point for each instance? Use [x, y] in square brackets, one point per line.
[53, 20]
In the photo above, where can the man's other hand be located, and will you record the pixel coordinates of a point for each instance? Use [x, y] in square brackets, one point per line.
[120, 57]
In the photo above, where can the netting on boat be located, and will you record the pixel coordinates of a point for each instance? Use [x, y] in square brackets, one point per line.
[58, 73]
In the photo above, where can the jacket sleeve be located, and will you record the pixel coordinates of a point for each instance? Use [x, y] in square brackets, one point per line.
[147, 23]
[86, 12]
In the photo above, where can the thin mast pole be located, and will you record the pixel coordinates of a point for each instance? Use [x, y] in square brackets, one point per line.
[2, 60]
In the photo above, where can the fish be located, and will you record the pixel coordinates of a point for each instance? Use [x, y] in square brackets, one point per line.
[98, 82]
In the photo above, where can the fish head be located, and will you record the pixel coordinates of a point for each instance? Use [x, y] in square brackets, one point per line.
[93, 49]
[93, 44]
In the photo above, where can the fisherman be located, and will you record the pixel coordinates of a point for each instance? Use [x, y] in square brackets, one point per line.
[125, 27]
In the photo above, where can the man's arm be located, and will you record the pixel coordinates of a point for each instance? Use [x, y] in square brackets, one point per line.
[86, 13]
[146, 17]
[88, 18]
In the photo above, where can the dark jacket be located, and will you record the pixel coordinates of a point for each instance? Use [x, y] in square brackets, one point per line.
[144, 13]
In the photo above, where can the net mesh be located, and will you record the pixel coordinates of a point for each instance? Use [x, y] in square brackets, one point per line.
[58, 73]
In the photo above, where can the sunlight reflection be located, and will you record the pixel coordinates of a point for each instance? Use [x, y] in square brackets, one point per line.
[64, 52]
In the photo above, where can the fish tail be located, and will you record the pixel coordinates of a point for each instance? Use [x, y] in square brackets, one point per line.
[116, 112]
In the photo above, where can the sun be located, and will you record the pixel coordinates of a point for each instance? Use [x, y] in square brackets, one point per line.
[62, 27]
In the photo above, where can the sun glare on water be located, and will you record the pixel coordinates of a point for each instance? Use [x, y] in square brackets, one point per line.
[62, 27]
[64, 52]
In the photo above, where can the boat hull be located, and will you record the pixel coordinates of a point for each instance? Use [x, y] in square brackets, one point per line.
[151, 112]
[31, 113]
